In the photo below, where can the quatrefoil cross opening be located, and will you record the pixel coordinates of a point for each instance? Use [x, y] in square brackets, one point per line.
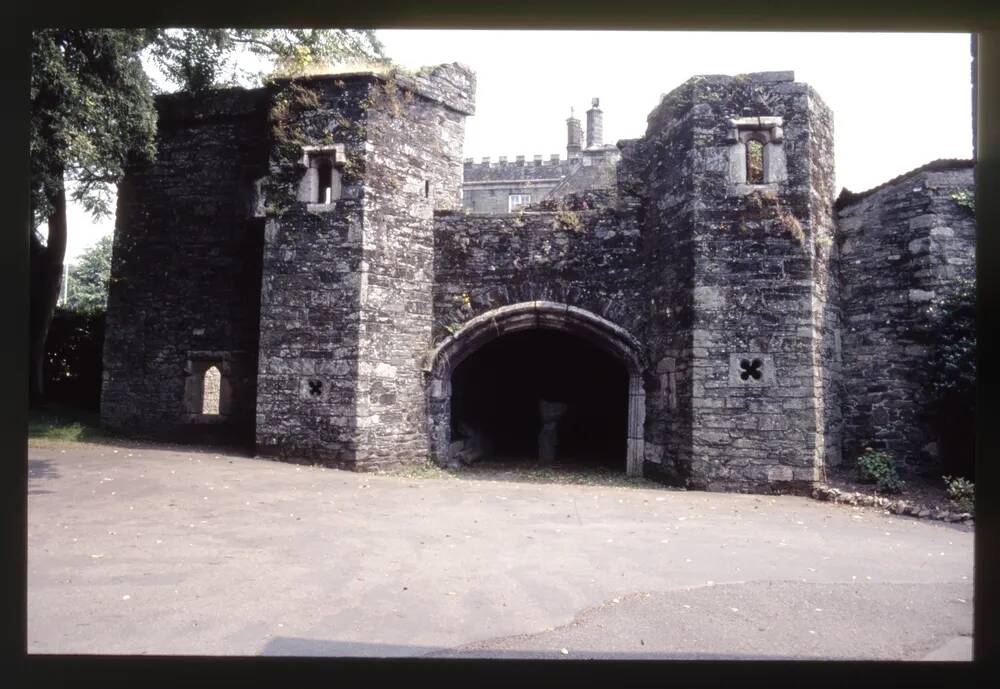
[751, 369]
[315, 388]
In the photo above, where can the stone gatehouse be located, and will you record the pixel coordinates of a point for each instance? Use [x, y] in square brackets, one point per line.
[296, 272]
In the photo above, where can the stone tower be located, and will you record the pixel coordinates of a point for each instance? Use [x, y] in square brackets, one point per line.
[346, 297]
[737, 223]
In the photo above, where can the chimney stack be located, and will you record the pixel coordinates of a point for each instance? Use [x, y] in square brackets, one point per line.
[595, 124]
[574, 136]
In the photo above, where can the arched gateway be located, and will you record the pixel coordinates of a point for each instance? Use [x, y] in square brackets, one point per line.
[446, 357]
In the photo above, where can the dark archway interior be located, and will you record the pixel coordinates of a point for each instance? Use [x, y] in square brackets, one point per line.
[496, 393]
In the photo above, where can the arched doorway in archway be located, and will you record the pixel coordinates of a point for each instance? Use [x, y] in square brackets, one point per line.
[542, 396]
[541, 381]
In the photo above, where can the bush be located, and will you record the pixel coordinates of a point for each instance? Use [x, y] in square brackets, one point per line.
[879, 468]
[961, 492]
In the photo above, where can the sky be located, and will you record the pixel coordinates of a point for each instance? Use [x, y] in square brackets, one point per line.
[898, 100]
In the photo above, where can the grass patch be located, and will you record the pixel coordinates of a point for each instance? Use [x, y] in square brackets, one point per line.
[65, 426]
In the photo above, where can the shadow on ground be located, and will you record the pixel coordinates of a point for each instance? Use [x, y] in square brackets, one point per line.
[38, 470]
[329, 648]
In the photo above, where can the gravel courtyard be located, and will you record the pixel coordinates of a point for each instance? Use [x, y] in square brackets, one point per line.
[137, 550]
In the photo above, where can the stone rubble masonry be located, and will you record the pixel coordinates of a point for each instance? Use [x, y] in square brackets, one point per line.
[904, 247]
[347, 290]
[186, 271]
[751, 279]
[766, 333]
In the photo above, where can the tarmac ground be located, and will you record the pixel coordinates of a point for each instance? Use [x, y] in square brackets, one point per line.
[136, 550]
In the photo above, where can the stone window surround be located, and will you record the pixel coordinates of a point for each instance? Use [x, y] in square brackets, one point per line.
[198, 362]
[445, 357]
[768, 131]
[310, 154]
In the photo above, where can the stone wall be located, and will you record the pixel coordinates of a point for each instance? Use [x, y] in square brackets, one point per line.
[587, 259]
[185, 273]
[414, 167]
[310, 297]
[655, 185]
[577, 272]
[905, 247]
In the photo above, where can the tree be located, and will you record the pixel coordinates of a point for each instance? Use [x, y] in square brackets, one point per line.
[87, 290]
[197, 59]
[91, 112]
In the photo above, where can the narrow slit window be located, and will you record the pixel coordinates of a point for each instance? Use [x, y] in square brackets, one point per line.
[211, 391]
[755, 162]
[324, 170]
[427, 188]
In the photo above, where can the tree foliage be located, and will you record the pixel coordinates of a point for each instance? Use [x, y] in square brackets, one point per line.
[87, 288]
[199, 59]
[73, 358]
[91, 111]
[91, 114]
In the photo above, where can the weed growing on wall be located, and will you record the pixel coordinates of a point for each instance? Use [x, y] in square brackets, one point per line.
[764, 204]
[966, 199]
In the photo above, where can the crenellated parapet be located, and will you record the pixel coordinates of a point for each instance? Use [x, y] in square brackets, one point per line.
[520, 168]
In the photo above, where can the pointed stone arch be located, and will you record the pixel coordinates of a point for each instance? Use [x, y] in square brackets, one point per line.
[442, 361]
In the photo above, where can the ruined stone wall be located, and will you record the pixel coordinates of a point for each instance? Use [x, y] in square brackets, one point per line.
[756, 416]
[185, 273]
[904, 247]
